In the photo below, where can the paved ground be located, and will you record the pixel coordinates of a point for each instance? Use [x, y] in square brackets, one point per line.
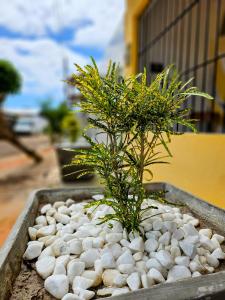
[19, 176]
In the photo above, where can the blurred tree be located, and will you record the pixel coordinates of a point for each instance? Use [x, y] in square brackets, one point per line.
[71, 127]
[55, 116]
[10, 83]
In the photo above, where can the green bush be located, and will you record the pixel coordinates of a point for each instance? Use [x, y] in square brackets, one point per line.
[71, 127]
[138, 120]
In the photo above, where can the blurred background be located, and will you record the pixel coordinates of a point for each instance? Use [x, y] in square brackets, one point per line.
[39, 43]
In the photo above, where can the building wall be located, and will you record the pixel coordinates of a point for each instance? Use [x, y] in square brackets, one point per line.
[198, 163]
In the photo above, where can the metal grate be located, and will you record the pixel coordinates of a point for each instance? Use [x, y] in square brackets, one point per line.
[191, 35]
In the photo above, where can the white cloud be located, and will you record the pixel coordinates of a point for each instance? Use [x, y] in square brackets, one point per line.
[40, 59]
[93, 20]
[41, 67]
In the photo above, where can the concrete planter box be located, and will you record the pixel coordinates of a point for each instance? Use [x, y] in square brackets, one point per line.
[212, 285]
[64, 158]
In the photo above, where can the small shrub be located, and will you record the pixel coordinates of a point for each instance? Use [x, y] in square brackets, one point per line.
[137, 120]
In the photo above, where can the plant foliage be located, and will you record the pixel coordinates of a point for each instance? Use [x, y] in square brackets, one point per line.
[10, 79]
[137, 121]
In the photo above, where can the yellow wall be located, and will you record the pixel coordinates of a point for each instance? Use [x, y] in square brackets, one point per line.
[133, 10]
[198, 165]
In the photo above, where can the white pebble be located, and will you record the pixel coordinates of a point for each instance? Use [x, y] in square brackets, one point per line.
[33, 250]
[75, 246]
[113, 237]
[45, 208]
[155, 275]
[178, 273]
[125, 258]
[57, 285]
[71, 296]
[61, 218]
[75, 268]
[89, 257]
[165, 259]
[206, 231]
[151, 245]
[218, 253]
[126, 268]
[45, 266]
[46, 230]
[108, 276]
[137, 244]
[32, 233]
[134, 281]
[182, 260]
[82, 282]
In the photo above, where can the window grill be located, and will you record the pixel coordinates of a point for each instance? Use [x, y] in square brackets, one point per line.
[191, 35]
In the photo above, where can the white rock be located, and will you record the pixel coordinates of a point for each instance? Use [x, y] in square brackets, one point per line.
[125, 258]
[157, 225]
[171, 226]
[175, 251]
[120, 291]
[141, 267]
[188, 248]
[138, 256]
[196, 274]
[64, 210]
[50, 220]
[113, 237]
[57, 285]
[189, 229]
[195, 266]
[194, 222]
[168, 216]
[45, 208]
[33, 250]
[165, 238]
[134, 281]
[75, 268]
[69, 202]
[107, 261]
[115, 249]
[126, 268]
[60, 247]
[178, 234]
[120, 280]
[93, 275]
[71, 296]
[87, 243]
[98, 197]
[165, 259]
[219, 238]
[108, 276]
[89, 257]
[146, 281]
[178, 273]
[51, 212]
[218, 253]
[46, 230]
[154, 263]
[215, 242]
[61, 218]
[41, 220]
[32, 233]
[64, 259]
[85, 294]
[45, 266]
[212, 260]
[98, 266]
[155, 275]
[98, 242]
[59, 269]
[151, 245]
[206, 231]
[137, 244]
[207, 243]
[105, 291]
[57, 204]
[75, 246]
[125, 243]
[182, 260]
[46, 252]
[82, 283]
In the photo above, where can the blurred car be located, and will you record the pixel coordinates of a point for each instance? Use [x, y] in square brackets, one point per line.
[29, 125]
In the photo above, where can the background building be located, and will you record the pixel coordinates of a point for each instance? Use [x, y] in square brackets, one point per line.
[191, 35]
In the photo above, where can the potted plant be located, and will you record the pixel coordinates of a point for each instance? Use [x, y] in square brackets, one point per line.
[130, 235]
[64, 132]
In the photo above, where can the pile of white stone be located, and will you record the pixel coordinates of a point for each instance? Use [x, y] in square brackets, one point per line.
[79, 259]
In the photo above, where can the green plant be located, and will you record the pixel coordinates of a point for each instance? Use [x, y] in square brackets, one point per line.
[10, 79]
[137, 120]
[54, 116]
[71, 127]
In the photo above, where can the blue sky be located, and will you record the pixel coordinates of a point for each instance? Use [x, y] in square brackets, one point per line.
[36, 35]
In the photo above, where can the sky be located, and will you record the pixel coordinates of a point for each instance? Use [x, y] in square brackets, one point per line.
[35, 35]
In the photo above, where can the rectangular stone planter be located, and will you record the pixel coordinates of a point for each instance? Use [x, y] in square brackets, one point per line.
[194, 288]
